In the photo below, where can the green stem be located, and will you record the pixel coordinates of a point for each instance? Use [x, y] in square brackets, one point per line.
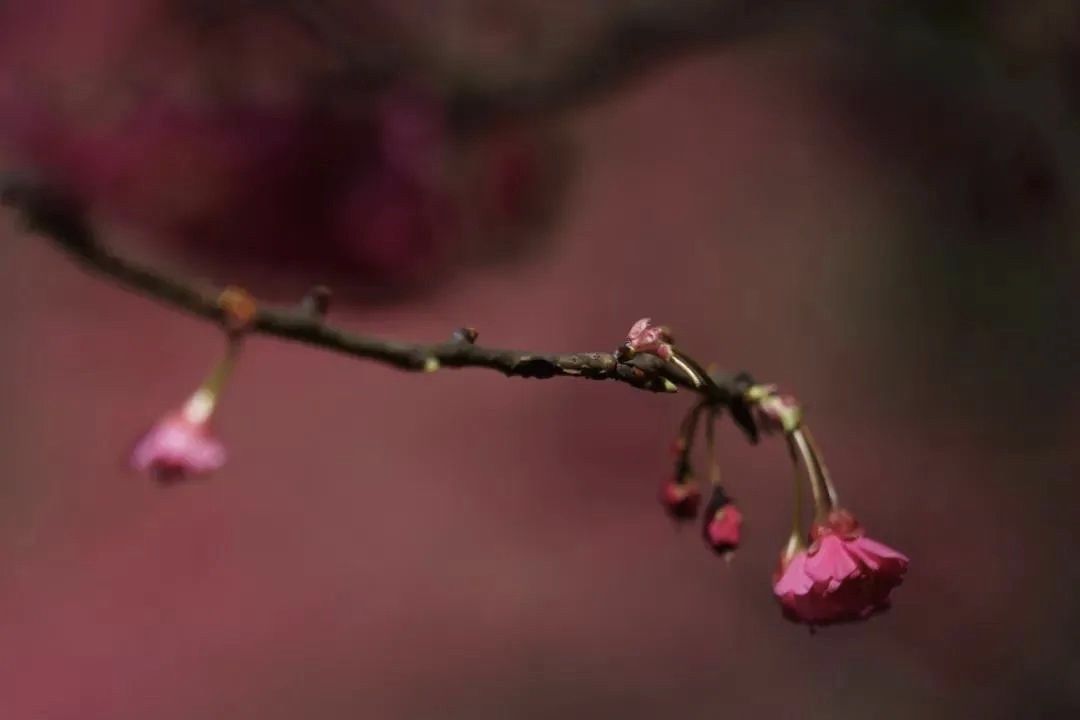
[689, 425]
[688, 369]
[797, 540]
[200, 406]
[822, 505]
[830, 489]
[687, 433]
[215, 381]
[710, 444]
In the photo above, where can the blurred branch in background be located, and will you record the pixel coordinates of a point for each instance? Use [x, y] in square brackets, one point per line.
[553, 57]
[401, 140]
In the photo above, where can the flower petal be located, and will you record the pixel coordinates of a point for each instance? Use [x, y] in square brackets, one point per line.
[830, 564]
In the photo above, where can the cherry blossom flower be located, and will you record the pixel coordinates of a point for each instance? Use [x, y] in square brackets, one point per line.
[181, 444]
[842, 576]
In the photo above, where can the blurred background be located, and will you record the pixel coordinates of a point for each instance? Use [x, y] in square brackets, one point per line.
[873, 204]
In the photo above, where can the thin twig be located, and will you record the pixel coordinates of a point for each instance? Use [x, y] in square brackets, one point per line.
[62, 221]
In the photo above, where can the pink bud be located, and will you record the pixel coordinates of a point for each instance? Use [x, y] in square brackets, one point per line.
[680, 499]
[723, 531]
[645, 337]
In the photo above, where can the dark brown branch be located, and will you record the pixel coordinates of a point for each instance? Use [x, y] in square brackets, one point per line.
[632, 37]
[63, 222]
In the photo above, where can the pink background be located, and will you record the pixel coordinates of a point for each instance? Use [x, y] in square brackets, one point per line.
[463, 545]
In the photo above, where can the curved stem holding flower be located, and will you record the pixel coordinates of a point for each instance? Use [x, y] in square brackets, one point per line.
[797, 539]
[823, 472]
[819, 490]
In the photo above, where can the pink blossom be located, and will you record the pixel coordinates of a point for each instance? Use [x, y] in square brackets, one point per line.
[176, 447]
[644, 337]
[843, 576]
[680, 499]
[723, 530]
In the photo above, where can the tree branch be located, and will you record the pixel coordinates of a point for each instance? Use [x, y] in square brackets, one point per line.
[61, 219]
[633, 36]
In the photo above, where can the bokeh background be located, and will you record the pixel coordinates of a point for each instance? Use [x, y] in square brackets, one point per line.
[873, 204]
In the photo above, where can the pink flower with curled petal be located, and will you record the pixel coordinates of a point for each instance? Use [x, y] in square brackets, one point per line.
[843, 576]
[180, 444]
[644, 337]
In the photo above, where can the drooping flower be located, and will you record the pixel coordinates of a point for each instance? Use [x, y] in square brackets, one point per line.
[181, 444]
[842, 576]
[680, 498]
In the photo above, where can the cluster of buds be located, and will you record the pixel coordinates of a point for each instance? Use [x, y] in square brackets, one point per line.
[181, 444]
[681, 496]
[830, 573]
